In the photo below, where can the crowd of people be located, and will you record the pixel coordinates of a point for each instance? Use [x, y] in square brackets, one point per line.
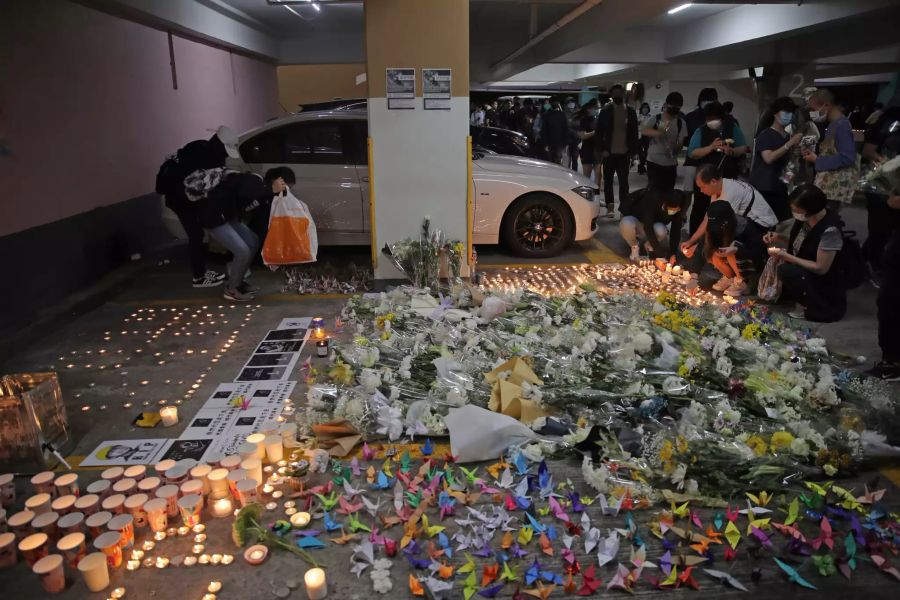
[747, 202]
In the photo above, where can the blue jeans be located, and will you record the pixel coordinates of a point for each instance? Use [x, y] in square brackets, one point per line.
[242, 243]
[630, 229]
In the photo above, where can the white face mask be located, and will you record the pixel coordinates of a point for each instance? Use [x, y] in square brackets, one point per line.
[570, 106]
[817, 116]
[714, 124]
[799, 216]
[705, 103]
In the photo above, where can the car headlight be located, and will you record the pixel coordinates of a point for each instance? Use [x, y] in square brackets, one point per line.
[587, 192]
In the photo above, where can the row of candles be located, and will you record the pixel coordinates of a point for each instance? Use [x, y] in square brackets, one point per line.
[135, 498]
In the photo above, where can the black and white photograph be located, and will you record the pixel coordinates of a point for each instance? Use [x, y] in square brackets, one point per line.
[280, 346]
[261, 374]
[272, 360]
[181, 449]
[295, 333]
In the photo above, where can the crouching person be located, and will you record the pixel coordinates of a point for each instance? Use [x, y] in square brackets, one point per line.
[648, 215]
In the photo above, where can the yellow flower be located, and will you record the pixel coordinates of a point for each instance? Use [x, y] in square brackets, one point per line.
[341, 373]
[781, 440]
[757, 444]
[380, 320]
[681, 444]
[751, 331]
[683, 371]
[666, 452]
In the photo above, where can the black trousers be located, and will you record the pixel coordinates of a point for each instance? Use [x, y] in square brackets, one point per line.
[615, 164]
[573, 156]
[643, 147]
[779, 203]
[698, 210]
[823, 303]
[190, 220]
[889, 301]
[879, 226]
[660, 177]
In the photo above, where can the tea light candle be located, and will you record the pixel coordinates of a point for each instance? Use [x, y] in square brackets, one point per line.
[259, 440]
[227, 559]
[133, 565]
[255, 555]
[268, 489]
[215, 559]
[190, 561]
[214, 586]
[221, 508]
[203, 559]
[198, 548]
[199, 538]
[159, 536]
[117, 593]
[322, 348]
[198, 528]
[162, 562]
[300, 519]
[316, 585]
[169, 416]
[136, 472]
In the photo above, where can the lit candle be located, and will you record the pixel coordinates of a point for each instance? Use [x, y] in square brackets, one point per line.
[214, 586]
[133, 565]
[255, 555]
[300, 519]
[169, 416]
[227, 559]
[117, 593]
[316, 586]
[222, 508]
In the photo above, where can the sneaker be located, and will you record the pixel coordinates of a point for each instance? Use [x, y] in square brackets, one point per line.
[216, 275]
[738, 288]
[209, 279]
[610, 211]
[722, 284]
[635, 253]
[247, 288]
[886, 371]
[798, 313]
[237, 296]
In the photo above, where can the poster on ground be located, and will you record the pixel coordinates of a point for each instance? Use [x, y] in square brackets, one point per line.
[436, 88]
[401, 89]
[121, 453]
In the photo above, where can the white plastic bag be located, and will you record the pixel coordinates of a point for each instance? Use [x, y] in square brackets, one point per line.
[292, 237]
[478, 434]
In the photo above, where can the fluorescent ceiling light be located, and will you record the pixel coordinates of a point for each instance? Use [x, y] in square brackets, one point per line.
[316, 6]
[680, 7]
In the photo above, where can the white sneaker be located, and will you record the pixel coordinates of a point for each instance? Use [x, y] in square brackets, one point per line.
[738, 288]
[209, 279]
[635, 253]
[723, 284]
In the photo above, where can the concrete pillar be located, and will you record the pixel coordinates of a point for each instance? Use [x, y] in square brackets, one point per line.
[784, 80]
[418, 158]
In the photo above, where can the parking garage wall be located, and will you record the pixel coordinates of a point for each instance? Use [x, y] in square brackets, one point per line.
[89, 108]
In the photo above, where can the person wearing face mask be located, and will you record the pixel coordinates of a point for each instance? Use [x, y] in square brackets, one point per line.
[615, 142]
[555, 131]
[571, 111]
[720, 142]
[586, 129]
[490, 114]
[644, 144]
[772, 152]
[653, 216]
[836, 172]
[810, 268]
[666, 133]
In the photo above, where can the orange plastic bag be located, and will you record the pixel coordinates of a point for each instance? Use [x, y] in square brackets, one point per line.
[292, 235]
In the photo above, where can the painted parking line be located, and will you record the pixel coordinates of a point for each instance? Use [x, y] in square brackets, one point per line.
[600, 253]
[279, 297]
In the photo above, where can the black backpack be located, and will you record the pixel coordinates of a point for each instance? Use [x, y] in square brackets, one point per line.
[852, 261]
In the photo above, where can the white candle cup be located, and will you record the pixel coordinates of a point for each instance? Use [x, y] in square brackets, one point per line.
[73, 548]
[201, 473]
[67, 484]
[8, 554]
[157, 514]
[94, 569]
[232, 462]
[233, 478]
[125, 486]
[102, 489]
[177, 475]
[218, 484]
[169, 493]
[136, 472]
[39, 503]
[162, 466]
[71, 523]
[259, 440]
[43, 482]
[169, 416]
[47, 523]
[192, 487]
[20, 523]
[247, 492]
[113, 474]
[190, 508]
[253, 469]
[135, 507]
[221, 508]
[115, 504]
[316, 584]
[274, 448]
[149, 485]
[7, 489]
[97, 522]
[87, 504]
[64, 504]
[51, 573]
[108, 544]
[124, 526]
[34, 547]
[247, 450]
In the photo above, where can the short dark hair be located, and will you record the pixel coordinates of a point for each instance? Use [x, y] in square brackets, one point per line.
[785, 103]
[707, 95]
[708, 172]
[617, 87]
[675, 99]
[714, 110]
[808, 198]
[728, 106]
[285, 173]
[671, 198]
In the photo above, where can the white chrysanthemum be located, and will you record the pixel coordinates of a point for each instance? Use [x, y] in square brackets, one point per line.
[596, 478]
[800, 447]
[724, 366]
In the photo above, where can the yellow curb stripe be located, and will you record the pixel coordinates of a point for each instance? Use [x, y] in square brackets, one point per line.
[600, 253]
[892, 473]
[279, 297]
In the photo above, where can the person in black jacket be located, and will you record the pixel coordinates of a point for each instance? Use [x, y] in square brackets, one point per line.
[810, 272]
[615, 142]
[555, 132]
[648, 214]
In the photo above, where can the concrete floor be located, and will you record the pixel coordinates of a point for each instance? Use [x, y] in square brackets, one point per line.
[165, 362]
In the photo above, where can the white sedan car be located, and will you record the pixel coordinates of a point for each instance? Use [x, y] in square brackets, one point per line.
[535, 208]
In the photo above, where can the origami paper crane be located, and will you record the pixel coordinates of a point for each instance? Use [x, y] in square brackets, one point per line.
[824, 538]
[762, 499]
[608, 548]
[732, 534]
[541, 591]
[470, 586]
[590, 583]
[886, 567]
[489, 574]
[871, 497]
[793, 575]
[623, 579]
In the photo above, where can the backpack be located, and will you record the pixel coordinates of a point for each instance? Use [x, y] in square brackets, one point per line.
[852, 261]
[167, 178]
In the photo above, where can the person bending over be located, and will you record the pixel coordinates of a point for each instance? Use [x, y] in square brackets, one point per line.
[647, 214]
[810, 271]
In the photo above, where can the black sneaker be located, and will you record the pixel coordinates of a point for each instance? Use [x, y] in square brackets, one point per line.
[247, 288]
[209, 279]
[886, 371]
[237, 296]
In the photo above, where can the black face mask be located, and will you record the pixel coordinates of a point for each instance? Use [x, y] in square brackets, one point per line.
[673, 110]
[618, 99]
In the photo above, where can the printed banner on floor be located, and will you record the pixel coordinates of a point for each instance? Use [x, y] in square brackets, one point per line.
[121, 453]
[277, 354]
